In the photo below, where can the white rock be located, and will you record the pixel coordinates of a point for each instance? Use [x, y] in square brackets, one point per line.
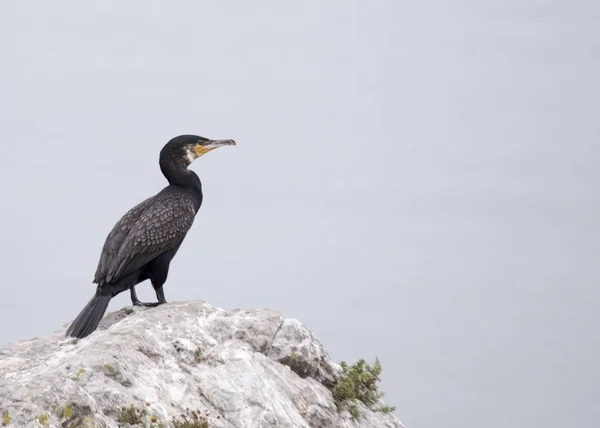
[240, 368]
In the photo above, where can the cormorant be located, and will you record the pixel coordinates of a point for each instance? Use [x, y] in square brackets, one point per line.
[144, 241]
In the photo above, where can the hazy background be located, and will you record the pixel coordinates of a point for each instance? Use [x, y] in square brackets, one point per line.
[416, 181]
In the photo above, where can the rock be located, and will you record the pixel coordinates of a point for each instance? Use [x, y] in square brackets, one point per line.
[239, 368]
[296, 347]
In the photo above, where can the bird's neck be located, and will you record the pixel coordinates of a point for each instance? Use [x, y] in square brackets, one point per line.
[179, 176]
[175, 169]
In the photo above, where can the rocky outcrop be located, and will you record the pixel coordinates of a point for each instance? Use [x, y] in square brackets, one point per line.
[155, 367]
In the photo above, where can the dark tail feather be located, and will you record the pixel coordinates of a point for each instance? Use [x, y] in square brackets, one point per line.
[88, 319]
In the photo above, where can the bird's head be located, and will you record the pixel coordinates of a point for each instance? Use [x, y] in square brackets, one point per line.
[201, 145]
[188, 148]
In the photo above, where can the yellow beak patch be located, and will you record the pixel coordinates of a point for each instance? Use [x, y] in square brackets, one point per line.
[201, 150]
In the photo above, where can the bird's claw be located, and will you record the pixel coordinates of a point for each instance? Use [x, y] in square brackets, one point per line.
[145, 304]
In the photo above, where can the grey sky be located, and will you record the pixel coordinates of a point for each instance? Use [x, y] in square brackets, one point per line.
[413, 180]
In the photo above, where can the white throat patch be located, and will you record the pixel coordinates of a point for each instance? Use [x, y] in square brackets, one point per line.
[191, 155]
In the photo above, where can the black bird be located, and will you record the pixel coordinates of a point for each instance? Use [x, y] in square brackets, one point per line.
[145, 240]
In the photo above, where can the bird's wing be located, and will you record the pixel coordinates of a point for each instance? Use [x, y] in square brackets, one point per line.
[160, 227]
[116, 237]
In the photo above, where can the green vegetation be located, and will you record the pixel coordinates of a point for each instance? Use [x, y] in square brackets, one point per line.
[140, 417]
[110, 369]
[74, 416]
[386, 409]
[43, 419]
[65, 412]
[131, 415]
[358, 383]
[85, 422]
[191, 419]
[136, 416]
[198, 355]
[70, 418]
[78, 375]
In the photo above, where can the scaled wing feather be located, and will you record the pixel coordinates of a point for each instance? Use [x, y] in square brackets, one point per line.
[116, 237]
[160, 227]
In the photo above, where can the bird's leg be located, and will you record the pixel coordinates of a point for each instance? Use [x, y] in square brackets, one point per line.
[134, 298]
[136, 302]
[160, 295]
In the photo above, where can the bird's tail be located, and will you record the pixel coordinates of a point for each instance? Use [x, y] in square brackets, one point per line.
[88, 319]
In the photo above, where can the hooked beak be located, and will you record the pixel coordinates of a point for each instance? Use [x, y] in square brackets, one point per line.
[213, 144]
[206, 146]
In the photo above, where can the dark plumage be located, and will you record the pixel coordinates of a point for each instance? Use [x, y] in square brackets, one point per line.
[144, 241]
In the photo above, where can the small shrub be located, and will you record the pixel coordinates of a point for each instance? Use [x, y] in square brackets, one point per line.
[359, 383]
[74, 416]
[65, 412]
[386, 409]
[136, 416]
[5, 419]
[191, 419]
[131, 415]
[43, 419]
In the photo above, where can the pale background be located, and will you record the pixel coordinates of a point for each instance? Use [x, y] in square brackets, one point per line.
[413, 180]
